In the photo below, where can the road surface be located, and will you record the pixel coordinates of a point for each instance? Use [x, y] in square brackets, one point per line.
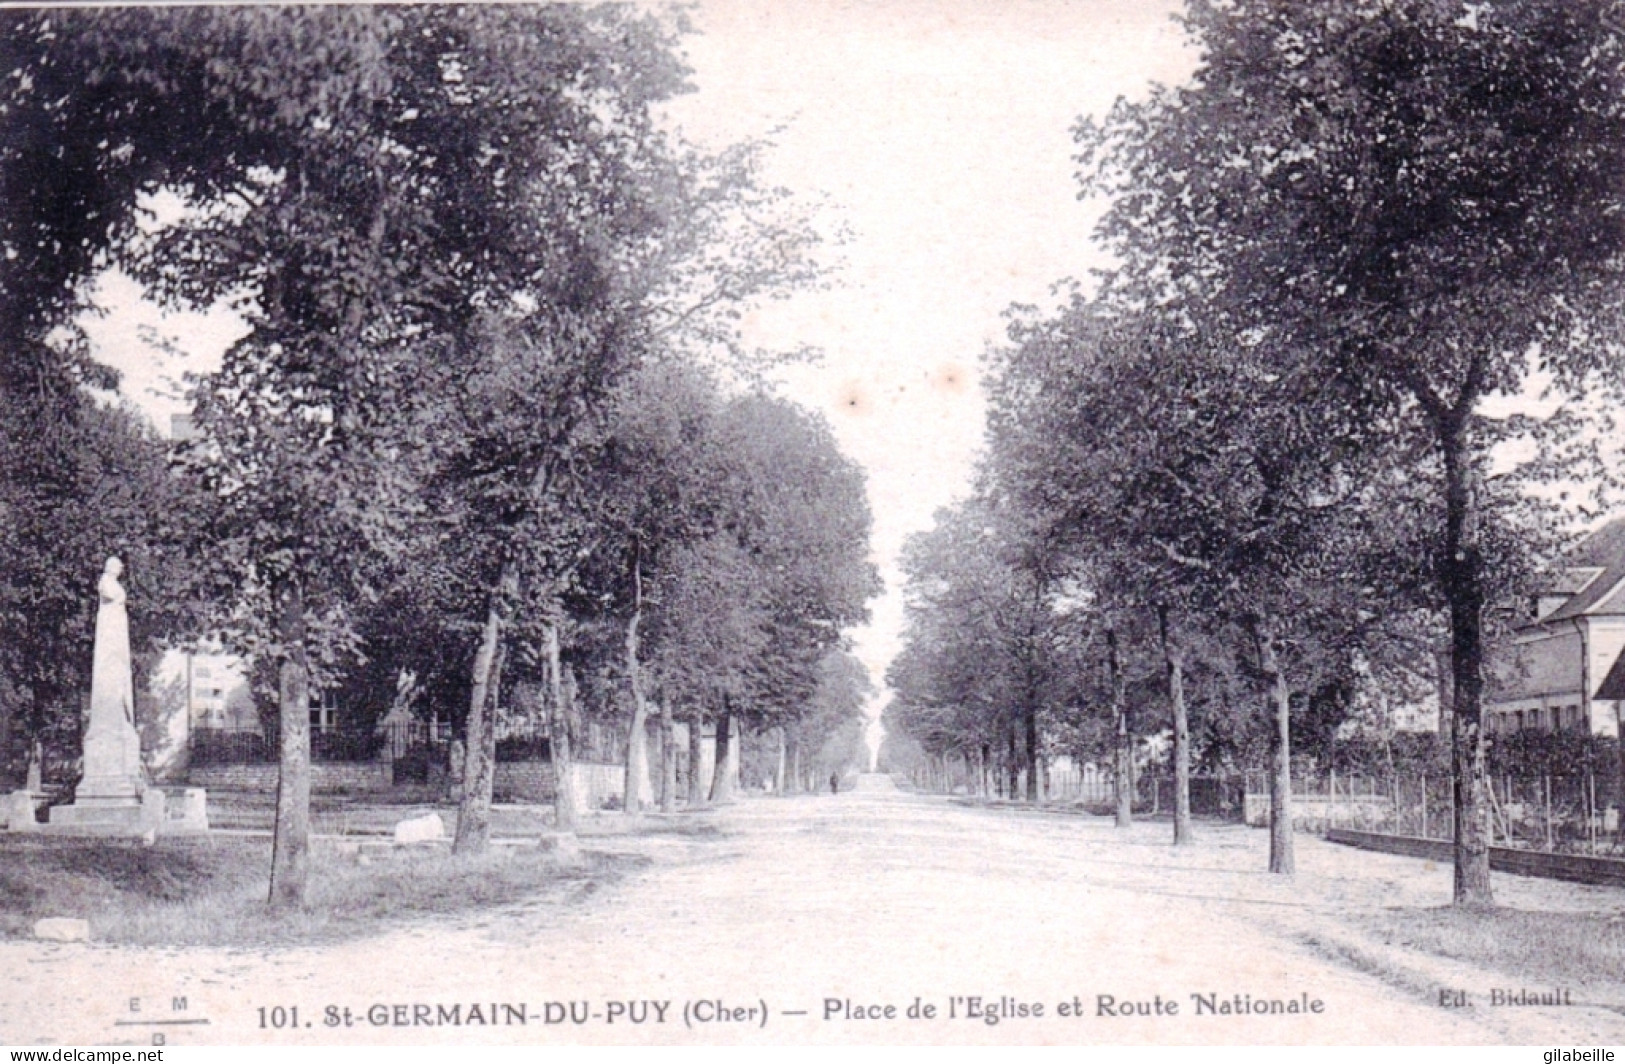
[830, 919]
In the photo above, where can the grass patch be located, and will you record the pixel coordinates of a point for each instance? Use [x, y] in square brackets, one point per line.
[693, 825]
[1562, 948]
[211, 891]
[338, 814]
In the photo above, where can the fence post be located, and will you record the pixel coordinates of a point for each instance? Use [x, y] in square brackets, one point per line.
[1591, 810]
[1546, 784]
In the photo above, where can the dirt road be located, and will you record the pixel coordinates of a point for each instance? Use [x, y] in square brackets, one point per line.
[835, 919]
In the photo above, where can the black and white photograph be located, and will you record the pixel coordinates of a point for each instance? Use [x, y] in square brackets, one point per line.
[954, 522]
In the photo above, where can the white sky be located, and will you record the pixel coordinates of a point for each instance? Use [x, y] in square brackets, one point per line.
[938, 133]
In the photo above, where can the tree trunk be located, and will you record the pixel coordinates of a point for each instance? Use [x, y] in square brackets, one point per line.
[1281, 857]
[721, 781]
[558, 732]
[1031, 727]
[5, 730]
[290, 843]
[637, 743]
[696, 754]
[1174, 654]
[1124, 768]
[1461, 571]
[983, 771]
[668, 758]
[479, 739]
[793, 776]
[479, 745]
[1012, 766]
[778, 762]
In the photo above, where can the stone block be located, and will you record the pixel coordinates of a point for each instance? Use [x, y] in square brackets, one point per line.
[563, 845]
[17, 811]
[101, 819]
[186, 812]
[153, 802]
[62, 929]
[427, 828]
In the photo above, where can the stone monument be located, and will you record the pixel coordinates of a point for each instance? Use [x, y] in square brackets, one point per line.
[36, 763]
[112, 788]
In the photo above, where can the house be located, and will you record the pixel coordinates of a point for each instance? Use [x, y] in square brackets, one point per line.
[213, 689]
[1565, 669]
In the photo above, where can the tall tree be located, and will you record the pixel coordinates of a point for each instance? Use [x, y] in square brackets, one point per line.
[990, 652]
[1417, 203]
[1193, 483]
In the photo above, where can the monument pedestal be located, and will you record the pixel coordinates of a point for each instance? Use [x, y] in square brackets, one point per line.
[183, 813]
[112, 815]
[17, 811]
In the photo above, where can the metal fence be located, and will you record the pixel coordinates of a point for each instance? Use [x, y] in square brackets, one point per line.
[1211, 794]
[1575, 813]
[411, 742]
[219, 746]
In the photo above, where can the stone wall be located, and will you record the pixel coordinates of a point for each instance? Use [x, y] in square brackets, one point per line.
[532, 781]
[596, 784]
[1573, 867]
[516, 781]
[523, 781]
[326, 777]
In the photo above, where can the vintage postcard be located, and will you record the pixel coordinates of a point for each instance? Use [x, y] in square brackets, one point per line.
[1075, 522]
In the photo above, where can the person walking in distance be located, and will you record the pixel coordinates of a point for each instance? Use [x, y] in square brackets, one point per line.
[835, 783]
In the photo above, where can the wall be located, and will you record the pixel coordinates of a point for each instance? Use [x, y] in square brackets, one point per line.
[1607, 643]
[1575, 868]
[1546, 665]
[1542, 670]
[521, 781]
[327, 777]
[532, 781]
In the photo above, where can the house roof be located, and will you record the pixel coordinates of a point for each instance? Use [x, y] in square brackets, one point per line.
[1572, 579]
[1604, 549]
[1613, 685]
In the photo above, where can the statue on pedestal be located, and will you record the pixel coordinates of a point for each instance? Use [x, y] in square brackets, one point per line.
[112, 797]
[112, 748]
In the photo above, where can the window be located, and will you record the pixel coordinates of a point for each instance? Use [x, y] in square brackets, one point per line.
[323, 709]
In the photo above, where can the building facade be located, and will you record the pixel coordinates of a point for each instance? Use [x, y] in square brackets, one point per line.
[1564, 669]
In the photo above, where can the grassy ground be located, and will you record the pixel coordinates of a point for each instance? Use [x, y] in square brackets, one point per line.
[339, 814]
[211, 891]
[1543, 932]
[1530, 948]
[371, 814]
